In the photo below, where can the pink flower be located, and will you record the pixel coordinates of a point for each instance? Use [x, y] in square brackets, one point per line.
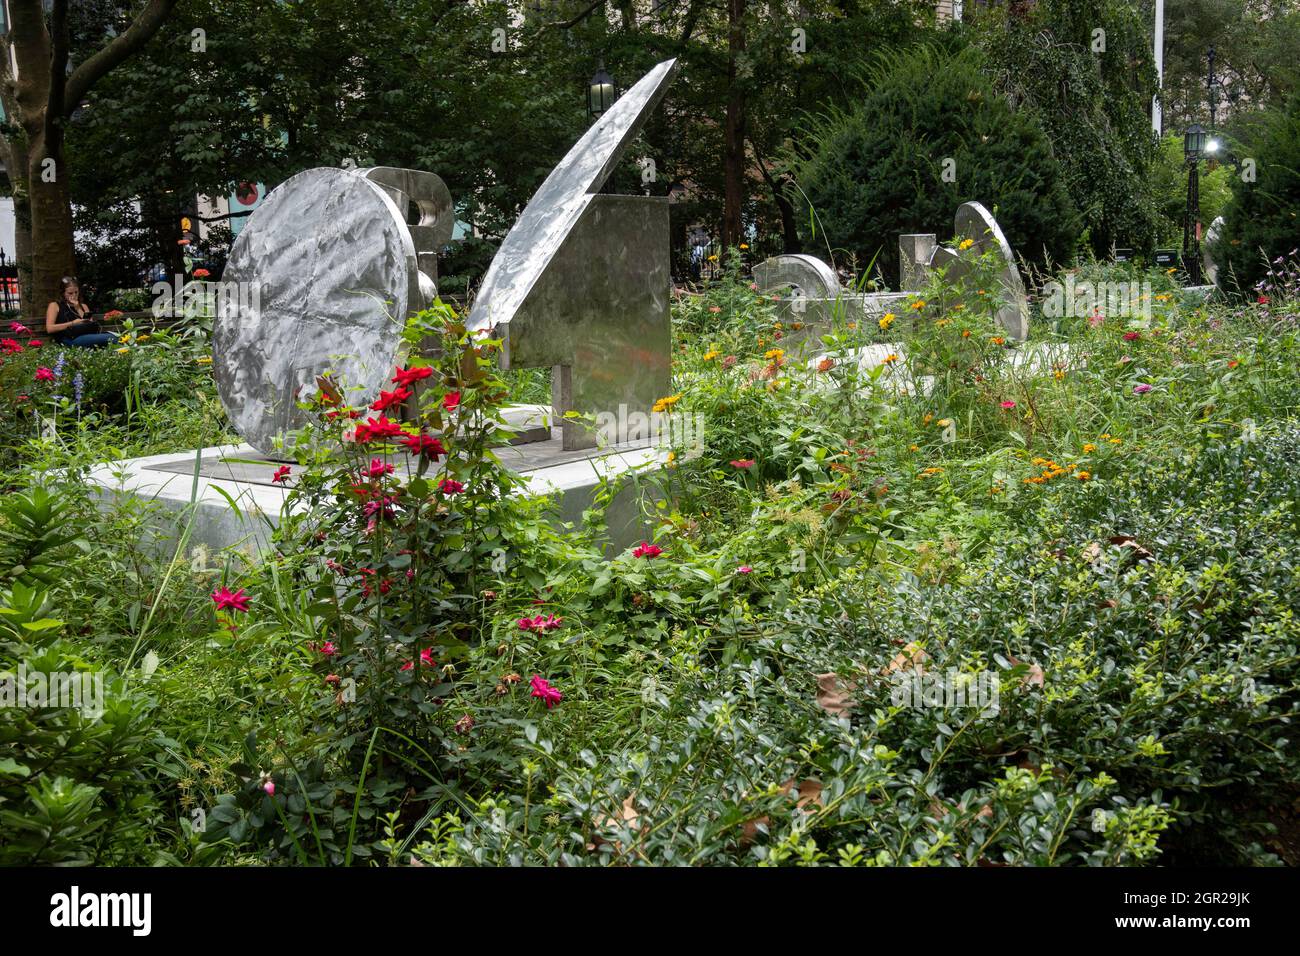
[728, 361]
[744, 569]
[328, 649]
[281, 473]
[465, 724]
[44, 375]
[451, 400]
[540, 624]
[1132, 336]
[1096, 319]
[378, 468]
[545, 691]
[426, 658]
[228, 600]
[1008, 405]
[18, 328]
[647, 550]
[10, 346]
[449, 486]
[35, 343]
[1141, 389]
[269, 786]
[742, 463]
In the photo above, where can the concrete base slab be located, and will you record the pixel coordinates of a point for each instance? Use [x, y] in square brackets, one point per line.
[228, 498]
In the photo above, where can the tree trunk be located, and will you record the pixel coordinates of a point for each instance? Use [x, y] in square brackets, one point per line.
[52, 254]
[733, 158]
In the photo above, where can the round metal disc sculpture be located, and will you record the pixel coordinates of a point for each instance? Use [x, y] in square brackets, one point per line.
[325, 273]
[976, 223]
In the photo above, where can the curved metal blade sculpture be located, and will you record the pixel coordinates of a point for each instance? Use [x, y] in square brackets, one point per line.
[582, 281]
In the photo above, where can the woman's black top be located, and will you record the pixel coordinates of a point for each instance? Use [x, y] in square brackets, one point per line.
[68, 314]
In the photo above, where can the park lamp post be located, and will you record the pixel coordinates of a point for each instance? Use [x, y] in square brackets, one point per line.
[1195, 145]
[600, 94]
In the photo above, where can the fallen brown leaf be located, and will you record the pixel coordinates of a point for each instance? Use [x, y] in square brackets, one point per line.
[912, 657]
[833, 694]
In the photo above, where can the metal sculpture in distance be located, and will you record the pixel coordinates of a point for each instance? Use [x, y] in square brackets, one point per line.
[327, 271]
[817, 289]
[582, 281]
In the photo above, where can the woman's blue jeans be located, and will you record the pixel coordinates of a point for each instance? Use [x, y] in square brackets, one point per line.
[92, 341]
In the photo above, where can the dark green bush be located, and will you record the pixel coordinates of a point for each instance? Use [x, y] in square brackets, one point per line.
[1261, 219]
[877, 169]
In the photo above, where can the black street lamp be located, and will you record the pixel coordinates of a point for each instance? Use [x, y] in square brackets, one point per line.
[1194, 147]
[600, 94]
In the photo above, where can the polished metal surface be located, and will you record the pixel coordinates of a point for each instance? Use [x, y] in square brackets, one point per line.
[582, 281]
[432, 199]
[818, 296]
[332, 270]
[976, 223]
[808, 274]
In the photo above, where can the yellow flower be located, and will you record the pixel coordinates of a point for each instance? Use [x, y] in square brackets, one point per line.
[886, 321]
[1089, 448]
[940, 323]
[965, 333]
[853, 325]
[913, 447]
[890, 359]
[928, 418]
[774, 355]
[1059, 374]
[965, 244]
[121, 350]
[1116, 441]
[944, 422]
[664, 404]
[204, 360]
[918, 304]
[711, 354]
[1083, 476]
[142, 338]
[125, 339]
[999, 340]
[958, 307]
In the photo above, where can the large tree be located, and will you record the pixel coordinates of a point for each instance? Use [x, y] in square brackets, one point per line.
[42, 82]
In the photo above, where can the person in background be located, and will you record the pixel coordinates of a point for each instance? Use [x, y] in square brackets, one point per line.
[68, 319]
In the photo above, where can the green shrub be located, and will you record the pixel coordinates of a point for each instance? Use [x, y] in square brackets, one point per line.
[877, 169]
[1261, 224]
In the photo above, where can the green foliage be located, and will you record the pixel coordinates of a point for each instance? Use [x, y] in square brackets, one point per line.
[876, 169]
[1083, 70]
[1260, 221]
[1170, 186]
[1102, 520]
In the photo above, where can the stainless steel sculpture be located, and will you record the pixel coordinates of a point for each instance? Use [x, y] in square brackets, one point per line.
[581, 283]
[976, 223]
[818, 291]
[327, 271]
[808, 274]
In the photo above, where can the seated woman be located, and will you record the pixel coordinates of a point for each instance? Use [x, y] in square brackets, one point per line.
[68, 318]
